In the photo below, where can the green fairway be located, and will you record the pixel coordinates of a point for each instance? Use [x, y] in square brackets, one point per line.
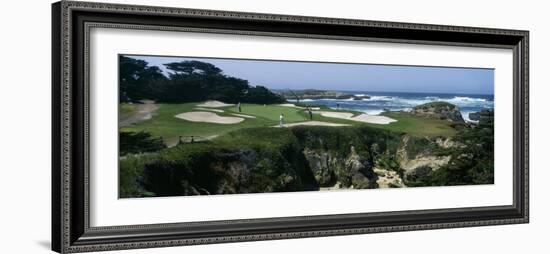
[271, 112]
[417, 126]
[164, 123]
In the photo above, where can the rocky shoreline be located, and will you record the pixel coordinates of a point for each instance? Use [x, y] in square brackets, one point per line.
[314, 94]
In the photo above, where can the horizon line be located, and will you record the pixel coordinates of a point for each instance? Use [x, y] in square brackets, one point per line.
[378, 91]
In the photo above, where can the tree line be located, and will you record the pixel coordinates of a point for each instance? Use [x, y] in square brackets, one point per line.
[187, 81]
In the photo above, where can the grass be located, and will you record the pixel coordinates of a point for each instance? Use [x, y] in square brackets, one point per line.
[164, 123]
[417, 126]
[271, 112]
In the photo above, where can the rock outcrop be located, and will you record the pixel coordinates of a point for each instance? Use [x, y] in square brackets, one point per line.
[439, 110]
[474, 116]
[486, 118]
[422, 163]
[359, 171]
[388, 179]
[323, 165]
[345, 160]
[315, 94]
[330, 169]
[447, 143]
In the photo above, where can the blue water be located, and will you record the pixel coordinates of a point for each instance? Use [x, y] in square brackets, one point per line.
[395, 101]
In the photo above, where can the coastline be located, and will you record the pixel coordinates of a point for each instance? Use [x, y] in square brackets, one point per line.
[375, 103]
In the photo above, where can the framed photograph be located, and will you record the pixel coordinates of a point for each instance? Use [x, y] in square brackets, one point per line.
[181, 126]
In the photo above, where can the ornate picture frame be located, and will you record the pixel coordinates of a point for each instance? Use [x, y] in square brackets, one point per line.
[71, 229]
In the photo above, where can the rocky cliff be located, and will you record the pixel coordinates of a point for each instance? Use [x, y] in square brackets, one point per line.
[439, 110]
[300, 159]
[420, 163]
[330, 168]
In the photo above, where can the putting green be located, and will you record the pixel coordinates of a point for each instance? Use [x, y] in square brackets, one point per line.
[271, 112]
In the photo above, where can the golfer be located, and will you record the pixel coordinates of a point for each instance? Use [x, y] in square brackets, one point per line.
[281, 120]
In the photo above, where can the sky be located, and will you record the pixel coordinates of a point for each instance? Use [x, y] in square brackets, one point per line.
[347, 77]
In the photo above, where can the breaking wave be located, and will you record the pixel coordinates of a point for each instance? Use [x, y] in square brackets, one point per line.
[375, 104]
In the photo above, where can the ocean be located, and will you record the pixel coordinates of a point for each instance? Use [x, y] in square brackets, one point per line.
[397, 101]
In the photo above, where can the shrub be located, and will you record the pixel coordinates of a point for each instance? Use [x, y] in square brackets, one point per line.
[138, 142]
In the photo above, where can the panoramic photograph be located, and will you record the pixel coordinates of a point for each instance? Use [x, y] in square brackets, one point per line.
[207, 126]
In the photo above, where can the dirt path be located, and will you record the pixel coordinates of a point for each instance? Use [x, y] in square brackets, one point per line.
[143, 112]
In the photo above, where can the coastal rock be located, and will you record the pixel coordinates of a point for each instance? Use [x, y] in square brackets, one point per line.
[314, 94]
[448, 143]
[440, 110]
[486, 118]
[474, 116]
[351, 172]
[422, 163]
[388, 179]
[359, 171]
[322, 165]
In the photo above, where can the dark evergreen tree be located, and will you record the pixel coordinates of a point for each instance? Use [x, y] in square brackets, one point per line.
[188, 81]
[138, 80]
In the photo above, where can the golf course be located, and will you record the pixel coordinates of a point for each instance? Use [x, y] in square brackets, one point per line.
[165, 122]
[199, 131]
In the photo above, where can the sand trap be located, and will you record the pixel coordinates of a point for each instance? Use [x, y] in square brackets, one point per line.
[360, 118]
[373, 119]
[214, 104]
[312, 123]
[290, 105]
[209, 117]
[210, 109]
[341, 115]
[241, 115]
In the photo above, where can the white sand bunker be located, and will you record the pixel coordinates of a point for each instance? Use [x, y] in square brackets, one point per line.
[287, 105]
[312, 123]
[242, 115]
[214, 104]
[373, 119]
[210, 109]
[209, 117]
[341, 115]
[360, 118]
